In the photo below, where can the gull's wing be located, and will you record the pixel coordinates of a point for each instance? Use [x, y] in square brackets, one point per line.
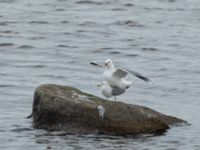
[120, 73]
[138, 75]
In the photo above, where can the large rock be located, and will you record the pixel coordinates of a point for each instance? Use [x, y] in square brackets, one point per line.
[65, 108]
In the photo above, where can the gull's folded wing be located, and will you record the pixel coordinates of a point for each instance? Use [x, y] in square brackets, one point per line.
[120, 73]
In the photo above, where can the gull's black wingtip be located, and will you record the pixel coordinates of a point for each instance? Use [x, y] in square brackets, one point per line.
[138, 75]
[147, 80]
[93, 63]
[143, 78]
[96, 64]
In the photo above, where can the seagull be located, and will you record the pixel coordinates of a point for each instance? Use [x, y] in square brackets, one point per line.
[115, 76]
[115, 83]
[109, 91]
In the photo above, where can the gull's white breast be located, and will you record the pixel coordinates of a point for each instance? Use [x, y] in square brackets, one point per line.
[113, 80]
[106, 90]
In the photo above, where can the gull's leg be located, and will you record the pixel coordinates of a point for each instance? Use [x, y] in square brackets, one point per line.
[115, 98]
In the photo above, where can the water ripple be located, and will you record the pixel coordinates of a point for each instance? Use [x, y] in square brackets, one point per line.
[26, 47]
[129, 5]
[6, 44]
[21, 129]
[9, 31]
[64, 21]
[149, 49]
[129, 23]
[3, 86]
[114, 52]
[7, 1]
[38, 22]
[89, 2]
[132, 55]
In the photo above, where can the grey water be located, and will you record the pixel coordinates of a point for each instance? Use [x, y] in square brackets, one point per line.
[53, 41]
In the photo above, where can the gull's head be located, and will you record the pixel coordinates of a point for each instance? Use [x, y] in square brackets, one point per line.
[108, 64]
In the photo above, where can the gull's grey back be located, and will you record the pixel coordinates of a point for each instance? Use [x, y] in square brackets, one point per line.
[117, 91]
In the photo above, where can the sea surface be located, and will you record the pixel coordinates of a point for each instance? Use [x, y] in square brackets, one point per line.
[53, 41]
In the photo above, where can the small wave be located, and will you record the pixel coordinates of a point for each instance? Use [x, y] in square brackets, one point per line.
[118, 9]
[162, 69]
[60, 9]
[81, 31]
[66, 46]
[106, 48]
[3, 74]
[115, 52]
[180, 9]
[175, 90]
[7, 85]
[21, 129]
[89, 2]
[102, 49]
[37, 38]
[61, 45]
[30, 66]
[37, 66]
[7, 1]
[5, 23]
[64, 21]
[66, 33]
[38, 22]
[8, 32]
[149, 49]
[52, 76]
[129, 23]
[26, 47]
[174, 44]
[158, 22]
[97, 51]
[128, 39]
[87, 23]
[2, 130]
[6, 44]
[132, 55]
[129, 5]
[72, 62]
[170, 1]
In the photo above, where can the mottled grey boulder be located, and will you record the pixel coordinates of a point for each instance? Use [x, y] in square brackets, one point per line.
[65, 108]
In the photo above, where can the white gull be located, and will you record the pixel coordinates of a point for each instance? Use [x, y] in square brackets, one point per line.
[109, 91]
